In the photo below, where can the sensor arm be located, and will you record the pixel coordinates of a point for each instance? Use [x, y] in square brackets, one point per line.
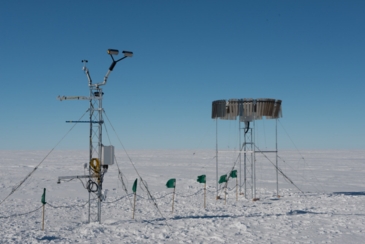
[111, 52]
[110, 70]
[78, 98]
[88, 75]
[86, 71]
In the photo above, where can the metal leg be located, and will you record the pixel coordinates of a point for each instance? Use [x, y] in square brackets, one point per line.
[276, 158]
[240, 145]
[216, 152]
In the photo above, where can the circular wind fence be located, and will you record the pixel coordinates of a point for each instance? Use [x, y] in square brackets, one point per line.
[247, 109]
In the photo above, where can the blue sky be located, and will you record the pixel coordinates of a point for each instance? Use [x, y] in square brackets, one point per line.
[310, 54]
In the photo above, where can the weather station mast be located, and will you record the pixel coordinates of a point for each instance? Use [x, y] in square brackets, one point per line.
[100, 156]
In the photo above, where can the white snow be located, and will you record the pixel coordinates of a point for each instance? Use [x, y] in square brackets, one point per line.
[331, 211]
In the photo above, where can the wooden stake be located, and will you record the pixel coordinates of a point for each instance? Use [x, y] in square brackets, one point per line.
[43, 219]
[134, 203]
[205, 188]
[236, 189]
[225, 194]
[173, 197]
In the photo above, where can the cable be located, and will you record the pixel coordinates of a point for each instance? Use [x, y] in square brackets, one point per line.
[69, 206]
[300, 154]
[195, 150]
[280, 171]
[90, 186]
[155, 198]
[248, 127]
[142, 181]
[120, 198]
[296, 171]
[17, 187]
[120, 174]
[16, 215]
[189, 195]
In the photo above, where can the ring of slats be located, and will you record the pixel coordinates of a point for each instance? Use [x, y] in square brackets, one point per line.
[247, 109]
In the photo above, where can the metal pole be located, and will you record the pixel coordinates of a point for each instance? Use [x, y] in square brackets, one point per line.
[99, 149]
[254, 144]
[244, 165]
[43, 218]
[239, 131]
[251, 156]
[173, 199]
[90, 149]
[216, 152]
[205, 191]
[134, 203]
[276, 157]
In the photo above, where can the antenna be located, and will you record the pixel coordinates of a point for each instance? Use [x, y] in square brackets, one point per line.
[100, 156]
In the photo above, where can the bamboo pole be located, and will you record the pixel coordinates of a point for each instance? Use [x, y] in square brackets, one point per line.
[225, 194]
[173, 198]
[43, 219]
[134, 203]
[205, 188]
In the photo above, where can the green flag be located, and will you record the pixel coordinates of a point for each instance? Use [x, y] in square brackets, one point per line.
[223, 179]
[233, 174]
[44, 197]
[135, 186]
[201, 179]
[171, 183]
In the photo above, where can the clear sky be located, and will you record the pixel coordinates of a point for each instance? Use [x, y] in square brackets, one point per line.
[310, 54]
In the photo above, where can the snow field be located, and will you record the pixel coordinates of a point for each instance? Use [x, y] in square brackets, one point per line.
[331, 211]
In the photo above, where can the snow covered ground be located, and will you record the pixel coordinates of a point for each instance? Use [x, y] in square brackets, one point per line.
[331, 211]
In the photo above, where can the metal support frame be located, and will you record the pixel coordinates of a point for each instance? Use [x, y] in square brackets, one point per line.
[216, 153]
[248, 166]
[72, 177]
[240, 148]
[253, 156]
[95, 139]
[276, 158]
[249, 161]
[95, 146]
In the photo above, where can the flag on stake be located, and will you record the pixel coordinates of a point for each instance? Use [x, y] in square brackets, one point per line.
[44, 196]
[135, 186]
[43, 200]
[233, 174]
[223, 179]
[201, 179]
[171, 183]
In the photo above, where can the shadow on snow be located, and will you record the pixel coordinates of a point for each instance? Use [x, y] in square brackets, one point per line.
[357, 193]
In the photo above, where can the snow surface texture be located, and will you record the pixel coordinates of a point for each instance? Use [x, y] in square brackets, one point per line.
[331, 211]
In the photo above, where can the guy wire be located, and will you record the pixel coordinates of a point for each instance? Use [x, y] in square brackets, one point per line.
[120, 174]
[17, 187]
[142, 181]
[281, 172]
[301, 155]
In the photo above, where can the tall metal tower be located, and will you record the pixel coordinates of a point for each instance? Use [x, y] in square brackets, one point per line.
[100, 156]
